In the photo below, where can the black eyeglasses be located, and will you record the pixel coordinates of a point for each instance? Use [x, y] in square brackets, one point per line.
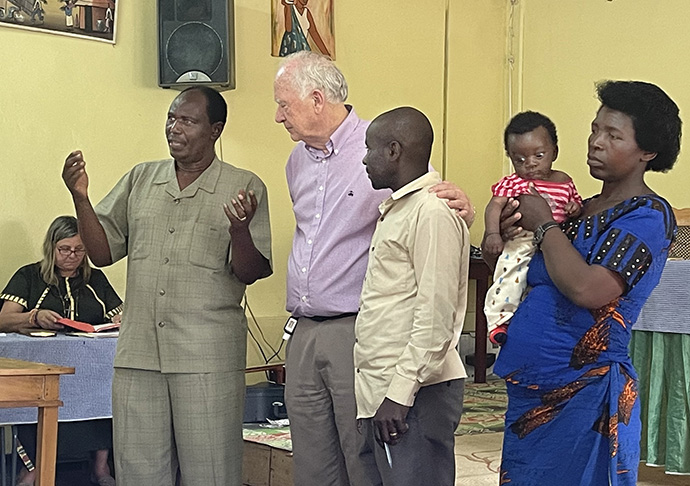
[67, 251]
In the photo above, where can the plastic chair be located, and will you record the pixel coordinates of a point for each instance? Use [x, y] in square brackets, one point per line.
[680, 249]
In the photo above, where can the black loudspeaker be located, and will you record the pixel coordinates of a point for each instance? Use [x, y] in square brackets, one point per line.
[196, 43]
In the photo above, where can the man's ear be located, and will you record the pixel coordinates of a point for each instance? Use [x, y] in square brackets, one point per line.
[318, 99]
[394, 150]
[217, 129]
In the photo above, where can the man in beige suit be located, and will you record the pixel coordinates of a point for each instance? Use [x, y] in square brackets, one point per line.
[178, 387]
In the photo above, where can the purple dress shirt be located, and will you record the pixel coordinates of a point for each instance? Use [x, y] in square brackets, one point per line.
[336, 210]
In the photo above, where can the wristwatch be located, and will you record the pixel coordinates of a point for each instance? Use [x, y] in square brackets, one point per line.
[541, 231]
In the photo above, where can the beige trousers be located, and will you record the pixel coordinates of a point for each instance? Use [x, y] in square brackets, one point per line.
[161, 420]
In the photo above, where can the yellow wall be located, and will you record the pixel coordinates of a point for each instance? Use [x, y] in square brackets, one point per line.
[569, 45]
[476, 105]
[476, 99]
[446, 57]
[60, 94]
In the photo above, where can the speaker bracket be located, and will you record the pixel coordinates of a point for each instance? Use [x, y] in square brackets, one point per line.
[193, 77]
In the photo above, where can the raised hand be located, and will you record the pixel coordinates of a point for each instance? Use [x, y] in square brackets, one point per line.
[74, 175]
[245, 207]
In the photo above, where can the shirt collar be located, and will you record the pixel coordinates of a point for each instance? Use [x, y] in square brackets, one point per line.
[428, 179]
[339, 137]
[166, 174]
[207, 181]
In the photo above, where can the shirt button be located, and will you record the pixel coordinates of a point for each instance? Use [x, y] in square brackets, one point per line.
[161, 324]
[317, 216]
[356, 340]
[336, 151]
[304, 269]
[161, 291]
[177, 201]
[171, 230]
[358, 370]
[309, 242]
[166, 260]
[304, 298]
[320, 188]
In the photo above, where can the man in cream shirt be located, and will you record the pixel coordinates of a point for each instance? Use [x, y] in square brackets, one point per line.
[409, 378]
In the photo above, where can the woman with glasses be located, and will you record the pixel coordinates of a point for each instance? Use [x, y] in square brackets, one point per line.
[63, 284]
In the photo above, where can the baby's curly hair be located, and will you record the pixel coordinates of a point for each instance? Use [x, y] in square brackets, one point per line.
[525, 122]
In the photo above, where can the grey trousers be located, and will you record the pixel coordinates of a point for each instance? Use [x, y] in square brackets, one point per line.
[426, 453]
[162, 420]
[320, 399]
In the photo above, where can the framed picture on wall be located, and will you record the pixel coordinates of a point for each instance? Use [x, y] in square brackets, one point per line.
[89, 19]
[302, 25]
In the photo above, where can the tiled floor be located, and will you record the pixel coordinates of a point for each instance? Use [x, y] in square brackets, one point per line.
[654, 476]
[477, 462]
[477, 459]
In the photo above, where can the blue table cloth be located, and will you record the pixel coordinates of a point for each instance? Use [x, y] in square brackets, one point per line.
[668, 306]
[86, 394]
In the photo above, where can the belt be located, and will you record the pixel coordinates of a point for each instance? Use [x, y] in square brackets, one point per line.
[331, 318]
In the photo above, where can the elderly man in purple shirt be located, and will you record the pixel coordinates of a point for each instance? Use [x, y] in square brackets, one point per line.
[336, 210]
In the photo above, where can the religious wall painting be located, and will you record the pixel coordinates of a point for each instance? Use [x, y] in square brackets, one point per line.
[299, 25]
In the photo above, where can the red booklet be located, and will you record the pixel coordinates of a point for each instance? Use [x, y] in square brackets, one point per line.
[82, 326]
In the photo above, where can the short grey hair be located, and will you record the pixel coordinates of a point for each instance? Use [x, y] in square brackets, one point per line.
[307, 71]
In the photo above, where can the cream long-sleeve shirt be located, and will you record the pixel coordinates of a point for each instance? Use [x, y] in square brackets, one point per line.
[414, 299]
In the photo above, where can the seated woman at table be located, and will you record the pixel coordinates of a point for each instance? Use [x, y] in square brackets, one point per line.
[63, 284]
[573, 410]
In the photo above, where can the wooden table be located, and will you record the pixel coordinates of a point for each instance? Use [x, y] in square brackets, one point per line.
[267, 457]
[480, 273]
[264, 465]
[27, 384]
[276, 371]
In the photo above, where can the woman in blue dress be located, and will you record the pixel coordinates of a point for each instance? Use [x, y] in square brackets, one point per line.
[573, 413]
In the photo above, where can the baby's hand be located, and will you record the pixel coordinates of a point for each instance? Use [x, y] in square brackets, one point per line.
[492, 244]
[572, 209]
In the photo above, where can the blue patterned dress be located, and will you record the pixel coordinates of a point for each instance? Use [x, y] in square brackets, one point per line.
[573, 414]
[294, 40]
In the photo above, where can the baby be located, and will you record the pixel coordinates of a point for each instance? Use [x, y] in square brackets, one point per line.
[531, 143]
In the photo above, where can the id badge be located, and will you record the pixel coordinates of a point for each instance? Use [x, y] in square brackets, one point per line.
[289, 328]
